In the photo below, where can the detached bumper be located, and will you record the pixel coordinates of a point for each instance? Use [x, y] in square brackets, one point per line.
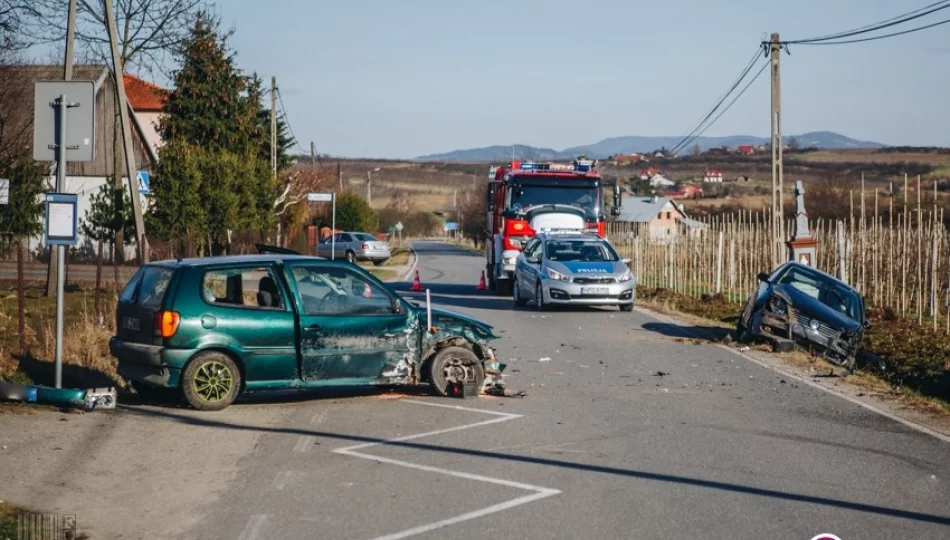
[611, 294]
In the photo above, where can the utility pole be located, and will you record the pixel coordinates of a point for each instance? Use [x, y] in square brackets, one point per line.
[54, 254]
[273, 127]
[313, 155]
[339, 174]
[369, 188]
[778, 202]
[118, 69]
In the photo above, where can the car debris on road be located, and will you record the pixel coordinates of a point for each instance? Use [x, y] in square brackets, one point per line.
[88, 400]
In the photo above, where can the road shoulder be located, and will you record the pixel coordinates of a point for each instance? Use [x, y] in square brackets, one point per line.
[860, 390]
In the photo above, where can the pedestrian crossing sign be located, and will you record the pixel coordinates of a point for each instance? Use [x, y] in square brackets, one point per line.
[143, 180]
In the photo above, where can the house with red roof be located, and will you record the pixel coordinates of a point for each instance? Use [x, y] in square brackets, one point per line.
[746, 149]
[146, 101]
[711, 175]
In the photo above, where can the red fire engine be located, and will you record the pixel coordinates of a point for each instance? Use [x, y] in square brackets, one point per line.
[529, 197]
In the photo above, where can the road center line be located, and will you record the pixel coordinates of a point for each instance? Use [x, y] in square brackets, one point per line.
[282, 478]
[305, 443]
[253, 528]
[539, 492]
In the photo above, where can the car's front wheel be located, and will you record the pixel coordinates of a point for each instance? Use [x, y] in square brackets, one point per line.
[516, 294]
[626, 307]
[211, 381]
[539, 297]
[455, 364]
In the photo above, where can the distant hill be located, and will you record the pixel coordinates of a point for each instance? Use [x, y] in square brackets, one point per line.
[631, 144]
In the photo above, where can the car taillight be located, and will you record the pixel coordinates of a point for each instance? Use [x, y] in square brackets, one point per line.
[166, 323]
[365, 245]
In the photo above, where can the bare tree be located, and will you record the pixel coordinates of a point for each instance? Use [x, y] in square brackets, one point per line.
[12, 37]
[147, 32]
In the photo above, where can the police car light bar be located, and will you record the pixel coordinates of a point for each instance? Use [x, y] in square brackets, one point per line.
[580, 167]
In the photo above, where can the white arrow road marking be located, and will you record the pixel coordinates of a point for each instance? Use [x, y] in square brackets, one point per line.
[538, 492]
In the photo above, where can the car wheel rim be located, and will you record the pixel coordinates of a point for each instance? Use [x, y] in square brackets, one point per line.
[213, 381]
[454, 369]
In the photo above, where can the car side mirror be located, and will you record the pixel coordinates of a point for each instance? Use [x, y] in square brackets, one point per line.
[626, 261]
[396, 305]
[763, 277]
[867, 325]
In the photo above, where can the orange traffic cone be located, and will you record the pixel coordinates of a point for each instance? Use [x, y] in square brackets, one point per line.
[416, 284]
[481, 283]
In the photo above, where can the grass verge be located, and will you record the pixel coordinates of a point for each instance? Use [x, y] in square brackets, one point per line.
[916, 359]
[86, 358]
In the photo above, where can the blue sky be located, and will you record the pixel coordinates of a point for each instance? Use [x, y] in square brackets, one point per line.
[404, 78]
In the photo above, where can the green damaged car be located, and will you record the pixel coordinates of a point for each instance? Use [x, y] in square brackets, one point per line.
[214, 328]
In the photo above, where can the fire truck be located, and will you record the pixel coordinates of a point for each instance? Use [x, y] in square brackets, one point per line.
[527, 197]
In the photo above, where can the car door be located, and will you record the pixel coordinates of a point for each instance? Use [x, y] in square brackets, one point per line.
[532, 268]
[524, 278]
[245, 310]
[351, 327]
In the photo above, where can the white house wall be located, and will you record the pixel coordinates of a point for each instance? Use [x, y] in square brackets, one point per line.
[85, 187]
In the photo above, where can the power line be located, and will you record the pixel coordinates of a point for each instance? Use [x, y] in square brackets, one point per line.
[731, 103]
[283, 108]
[900, 19]
[745, 72]
[884, 36]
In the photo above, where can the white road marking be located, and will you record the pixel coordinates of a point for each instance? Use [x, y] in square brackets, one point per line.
[253, 528]
[539, 492]
[282, 478]
[318, 417]
[305, 443]
[803, 380]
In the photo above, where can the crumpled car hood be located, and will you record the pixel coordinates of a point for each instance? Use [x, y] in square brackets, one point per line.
[812, 308]
[444, 318]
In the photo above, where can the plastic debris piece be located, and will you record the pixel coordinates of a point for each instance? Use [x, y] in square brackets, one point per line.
[545, 359]
[744, 349]
[17, 392]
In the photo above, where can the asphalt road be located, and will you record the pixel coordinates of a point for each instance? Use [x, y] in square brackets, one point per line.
[601, 447]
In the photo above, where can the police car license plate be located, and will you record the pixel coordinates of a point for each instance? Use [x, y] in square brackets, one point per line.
[595, 290]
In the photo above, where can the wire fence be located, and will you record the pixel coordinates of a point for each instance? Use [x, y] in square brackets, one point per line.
[898, 259]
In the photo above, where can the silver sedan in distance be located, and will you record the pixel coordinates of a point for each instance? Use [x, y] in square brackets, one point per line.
[355, 246]
[573, 268]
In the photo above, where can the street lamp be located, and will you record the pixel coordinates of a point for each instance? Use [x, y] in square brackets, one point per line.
[369, 192]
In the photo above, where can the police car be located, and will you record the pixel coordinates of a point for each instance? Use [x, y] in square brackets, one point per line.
[573, 267]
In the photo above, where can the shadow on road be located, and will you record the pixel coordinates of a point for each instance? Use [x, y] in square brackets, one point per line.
[710, 333]
[600, 469]
[456, 295]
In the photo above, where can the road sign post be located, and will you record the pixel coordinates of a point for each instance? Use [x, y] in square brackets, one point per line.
[74, 140]
[61, 225]
[330, 198]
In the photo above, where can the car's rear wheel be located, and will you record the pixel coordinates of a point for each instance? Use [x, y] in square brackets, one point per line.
[455, 364]
[504, 287]
[350, 257]
[379, 262]
[211, 381]
[626, 307]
